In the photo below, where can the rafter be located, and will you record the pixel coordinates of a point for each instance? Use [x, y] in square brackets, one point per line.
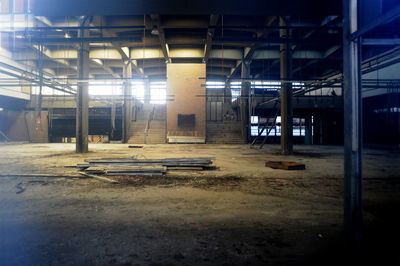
[155, 19]
[123, 51]
[101, 63]
[327, 53]
[210, 33]
[249, 51]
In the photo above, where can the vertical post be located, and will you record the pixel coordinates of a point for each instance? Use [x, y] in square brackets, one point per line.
[249, 104]
[113, 117]
[286, 91]
[127, 107]
[316, 138]
[308, 130]
[82, 103]
[147, 93]
[39, 106]
[227, 93]
[244, 101]
[352, 125]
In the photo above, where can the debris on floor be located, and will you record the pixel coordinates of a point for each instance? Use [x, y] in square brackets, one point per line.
[98, 168]
[204, 163]
[285, 165]
[101, 178]
[135, 146]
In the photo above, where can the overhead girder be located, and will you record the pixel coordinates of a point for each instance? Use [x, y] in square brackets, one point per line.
[187, 39]
[155, 18]
[155, 71]
[209, 37]
[248, 52]
[62, 58]
[103, 66]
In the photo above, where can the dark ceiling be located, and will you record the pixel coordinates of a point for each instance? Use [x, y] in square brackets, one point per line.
[319, 8]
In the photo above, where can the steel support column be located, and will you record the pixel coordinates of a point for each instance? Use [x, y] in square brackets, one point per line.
[113, 118]
[308, 130]
[352, 125]
[82, 106]
[127, 106]
[244, 101]
[147, 93]
[39, 106]
[286, 92]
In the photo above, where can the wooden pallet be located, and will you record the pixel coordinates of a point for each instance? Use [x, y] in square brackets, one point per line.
[285, 165]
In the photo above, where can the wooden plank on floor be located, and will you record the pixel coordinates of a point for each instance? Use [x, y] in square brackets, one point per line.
[101, 178]
[134, 174]
[126, 160]
[285, 165]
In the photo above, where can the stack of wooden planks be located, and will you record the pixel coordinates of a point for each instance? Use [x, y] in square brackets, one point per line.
[142, 167]
[204, 163]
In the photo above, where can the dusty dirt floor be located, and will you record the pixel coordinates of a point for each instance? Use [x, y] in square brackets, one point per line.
[242, 214]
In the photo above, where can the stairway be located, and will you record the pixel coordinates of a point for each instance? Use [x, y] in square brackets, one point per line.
[226, 132]
[150, 126]
[137, 132]
[156, 133]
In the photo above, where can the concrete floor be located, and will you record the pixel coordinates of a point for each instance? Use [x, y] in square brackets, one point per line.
[242, 214]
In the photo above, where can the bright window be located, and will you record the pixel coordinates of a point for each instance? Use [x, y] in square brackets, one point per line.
[298, 126]
[138, 90]
[158, 92]
[215, 84]
[105, 88]
[235, 90]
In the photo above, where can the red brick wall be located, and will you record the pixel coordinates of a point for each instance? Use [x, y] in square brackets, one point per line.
[184, 87]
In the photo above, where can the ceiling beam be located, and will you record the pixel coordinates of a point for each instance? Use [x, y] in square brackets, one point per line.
[123, 51]
[325, 22]
[108, 69]
[210, 34]
[220, 72]
[327, 53]
[62, 62]
[155, 19]
[44, 20]
[249, 51]
[46, 54]
[383, 19]
[77, 40]
[383, 42]
[178, 7]
[152, 54]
